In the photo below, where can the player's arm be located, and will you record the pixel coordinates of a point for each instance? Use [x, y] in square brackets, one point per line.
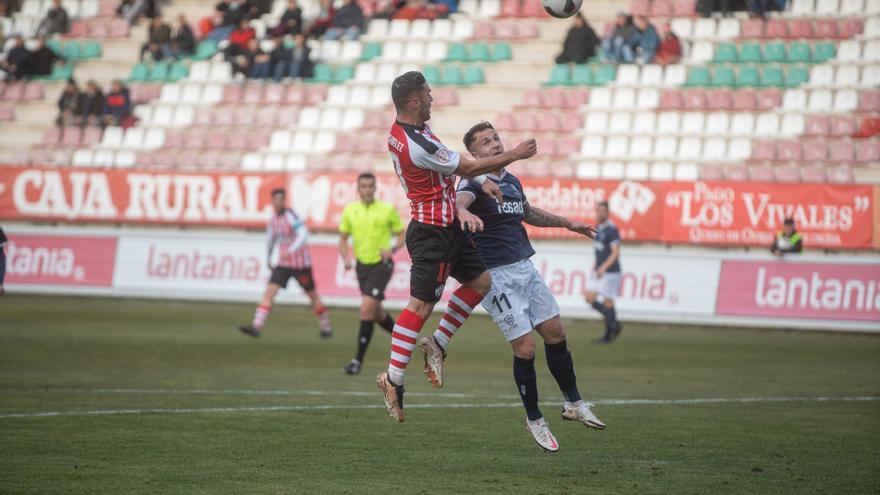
[540, 218]
[472, 167]
[615, 253]
[270, 245]
[463, 200]
[302, 235]
[343, 249]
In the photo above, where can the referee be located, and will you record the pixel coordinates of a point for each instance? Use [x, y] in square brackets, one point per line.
[370, 222]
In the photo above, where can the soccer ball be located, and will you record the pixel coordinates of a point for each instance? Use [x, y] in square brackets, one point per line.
[562, 8]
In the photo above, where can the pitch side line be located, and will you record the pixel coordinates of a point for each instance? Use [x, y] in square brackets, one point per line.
[325, 407]
[200, 391]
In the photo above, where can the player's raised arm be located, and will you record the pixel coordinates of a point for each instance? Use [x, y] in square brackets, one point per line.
[540, 218]
[463, 200]
[472, 167]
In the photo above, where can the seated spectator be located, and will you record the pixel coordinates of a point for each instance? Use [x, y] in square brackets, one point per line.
[16, 63]
[92, 105]
[323, 21]
[243, 59]
[348, 22]
[184, 42]
[117, 105]
[55, 22]
[612, 45]
[280, 58]
[158, 43]
[418, 9]
[69, 105]
[240, 37]
[262, 7]
[300, 59]
[131, 10]
[708, 7]
[580, 43]
[788, 240]
[259, 60]
[759, 8]
[643, 45]
[388, 9]
[670, 48]
[42, 59]
[291, 21]
[233, 11]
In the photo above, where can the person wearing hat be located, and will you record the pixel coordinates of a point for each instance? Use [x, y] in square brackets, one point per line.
[788, 240]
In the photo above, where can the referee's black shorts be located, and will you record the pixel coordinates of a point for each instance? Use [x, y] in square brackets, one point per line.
[373, 278]
[437, 253]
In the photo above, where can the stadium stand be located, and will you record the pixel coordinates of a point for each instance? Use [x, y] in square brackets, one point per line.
[790, 98]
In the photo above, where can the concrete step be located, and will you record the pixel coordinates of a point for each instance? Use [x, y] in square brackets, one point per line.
[522, 74]
[102, 71]
[536, 51]
[33, 113]
[122, 50]
[498, 97]
[16, 137]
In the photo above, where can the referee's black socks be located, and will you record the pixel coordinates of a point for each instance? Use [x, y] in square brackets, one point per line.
[388, 324]
[364, 336]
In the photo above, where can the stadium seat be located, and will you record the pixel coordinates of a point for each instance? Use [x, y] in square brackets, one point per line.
[717, 124]
[698, 76]
[628, 75]
[662, 171]
[704, 29]
[868, 151]
[671, 100]
[636, 171]
[767, 125]
[596, 123]
[605, 73]
[641, 148]
[675, 75]
[601, 98]
[624, 99]
[651, 75]
[644, 123]
[665, 147]
[846, 76]
[612, 171]
[752, 28]
[559, 76]
[501, 52]
[761, 173]
[772, 77]
[581, 75]
[795, 29]
[719, 99]
[728, 28]
[792, 125]
[693, 123]
[746, 77]
[769, 99]
[724, 52]
[796, 76]
[668, 123]
[701, 52]
[621, 123]
[588, 170]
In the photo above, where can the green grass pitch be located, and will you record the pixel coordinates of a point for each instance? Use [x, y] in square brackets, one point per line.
[167, 397]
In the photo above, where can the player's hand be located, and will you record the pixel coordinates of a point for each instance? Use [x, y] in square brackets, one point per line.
[269, 264]
[347, 264]
[526, 149]
[582, 228]
[386, 254]
[469, 221]
[493, 190]
[600, 272]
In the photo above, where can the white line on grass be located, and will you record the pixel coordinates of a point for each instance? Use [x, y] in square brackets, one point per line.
[324, 407]
[200, 391]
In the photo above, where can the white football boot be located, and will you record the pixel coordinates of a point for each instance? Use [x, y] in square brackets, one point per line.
[434, 357]
[580, 411]
[541, 433]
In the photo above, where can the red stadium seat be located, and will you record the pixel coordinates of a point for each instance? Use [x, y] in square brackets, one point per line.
[52, 136]
[527, 30]
[661, 8]
[787, 173]
[374, 120]
[769, 99]
[814, 150]
[720, 99]
[684, 8]
[817, 125]
[345, 142]
[258, 138]
[695, 99]
[505, 122]
[532, 99]
[194, 140]
[78, 29]
[640, 7]
[186, 158]
[789, 151]
[562, 169]
[288, 116]
[118, 28]
[870, 126]
[841, 150]
[763, 151]
[72, 136]
[231, 160]
[209, 160]
[506, 31]
[91, 135]
[533, 9]
[711, 172]
[576, 97]
[567, 146]
[848, 28]
[316, 94]
[843, 125]
[775, 28]
[868, 151]
[548, 146]
[553, 98]
[526, 122]
[571, 121]
[510, 8]
[869, 101]
[840, 174]
[204, 116]
[736, 172]
[483, 31]
[752, 28]
[274, 94]
[825, 28]
[671, 99]
[813, 174]
[244, 115]
[174, 140]
[224, 115]
[253, 93]
[800, 29]
[549, 122]
[238, 141]
[295, 95]
[98, 30]
[216, 139]
[232, 93]
[761, 173]
[34, 91]
[266, 116]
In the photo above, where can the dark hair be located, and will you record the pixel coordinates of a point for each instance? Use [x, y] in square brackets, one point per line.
[788, 221]
[469, 136]
[366, 175]
[280, 191]
[404, 86]
[603, 203]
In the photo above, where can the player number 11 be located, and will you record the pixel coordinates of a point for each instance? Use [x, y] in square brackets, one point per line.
[498, 300]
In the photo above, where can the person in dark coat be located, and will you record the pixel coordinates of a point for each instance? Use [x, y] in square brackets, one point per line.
[291, 21]
[55, 22]
[16, 63]
[184, 41]
[42, 60]
[348, 21]
[117, 104]
[92, 105]
[158, 40]
[580, 43]
[69, 104]
[623, 34]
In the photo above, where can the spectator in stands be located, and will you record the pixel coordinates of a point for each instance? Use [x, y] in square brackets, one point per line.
[92, 105]
[323, 21]
[580, 43]
[622, 34]
[131, 10]
[55, 22]
[670, 48]
[184, 41]
[42, 59]
[388, 9]
[117, 104]
[759, 8]
[233, 12]
[241, 36]
[291, 21]
[348, 22]
[261, 6]
[642, 46]
[300, 59]
[259, 61]
[16, 63]
[243, 59]
[158, 43]
[419, 9]
[707, 7]
[280, 58]
[788, 240]
[69, 105]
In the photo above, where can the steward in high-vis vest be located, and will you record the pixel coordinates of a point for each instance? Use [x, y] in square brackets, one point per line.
[788, 240]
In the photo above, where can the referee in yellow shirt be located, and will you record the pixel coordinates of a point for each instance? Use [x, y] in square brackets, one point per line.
[370, 222]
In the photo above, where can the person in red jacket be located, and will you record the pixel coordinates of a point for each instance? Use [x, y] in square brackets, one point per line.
[669, 51]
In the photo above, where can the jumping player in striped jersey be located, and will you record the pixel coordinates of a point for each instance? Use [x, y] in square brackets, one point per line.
[289, 233]
[434, 238]
[520, 300]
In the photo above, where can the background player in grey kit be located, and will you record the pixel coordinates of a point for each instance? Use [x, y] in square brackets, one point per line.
[519, 299]
[603, 284]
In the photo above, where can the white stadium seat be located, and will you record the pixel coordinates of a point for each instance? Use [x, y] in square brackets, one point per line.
[592, 147]
[273, 162]
[462, 29]
[351, 119]
[170, 93]
[365, 73]
[302, 141]
[378, 29]
[717, 124]
[627, 75]
[212, 93]
[415, 50]
[792, 125]
[252, 162]
[682, 27]
[636, 171]
[103, 158]
[112, 137]
[702, 52]
[852, 7]
[849, 51]
[820, 100]
[661, 171]
[612, 171]
[767, 124]
[794, 100]
[739, 149]
[192, 94]
[621, 123]
[82, 158]
[802, 8]
[324, 141]
[687, 172]
[398, 29]
[714, 149]
[359, 96]
[845, 100]
[827, 7]
[616, 147]
[420, 29]
[870, 77]
[693, 123]
[597, 122]
[124, 159]
[331, 118]
[588, 170]
[728, 28]
[351, 51]
[392, 51]
[690, 148]
[704, 29]
[441, 29]
[154, 138]
[641, 147]
[644, 123]
[652, 75]
[675, 75]
[871, 53]
[624, 99]
[183, 116]
[665, 147]
[435, 51]
[821, 75]
[668, 123]
[649, 99]
[295, 163]
[846, 75]
[280, 141]
[742, 124]
[600, 99]
[309, 117]
[134, 138]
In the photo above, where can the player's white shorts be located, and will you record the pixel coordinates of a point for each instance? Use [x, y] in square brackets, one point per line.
[519, 299]
[607, 286]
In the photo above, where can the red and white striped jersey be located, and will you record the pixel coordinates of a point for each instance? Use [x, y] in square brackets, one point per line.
[289, 232]
[426, 171]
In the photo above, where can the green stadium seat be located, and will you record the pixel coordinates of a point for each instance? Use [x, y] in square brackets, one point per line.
[774, 52]
[178, 71]
[457, 52]
[750, 53]
[91, 49]
[605, 74]
[450, 76]
[54, 45]
[323, 74]
[723, 77]
[343, 73]
[798, 53]
[559, 76]
[698, 76]
[480, 53]
[747, 77]
[725, 53]
[582, 75]
[62, 72]
[772, 77]
[140, 72]
[432, 74]
[474, 75]
[371, 51]
[159, 72]
[70, 51]
[501, 52]
[795, 76]
[823, 52]
[205, 50]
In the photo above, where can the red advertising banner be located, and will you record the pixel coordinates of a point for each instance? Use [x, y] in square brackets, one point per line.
[877, 217]
[81, 195]
[60, 260]
[791, 289]
[740, 214]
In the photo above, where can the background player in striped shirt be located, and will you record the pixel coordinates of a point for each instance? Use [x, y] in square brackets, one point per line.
[434, 238]
[289, 232]
[520, 300]
[603, 284]
[370, 222]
